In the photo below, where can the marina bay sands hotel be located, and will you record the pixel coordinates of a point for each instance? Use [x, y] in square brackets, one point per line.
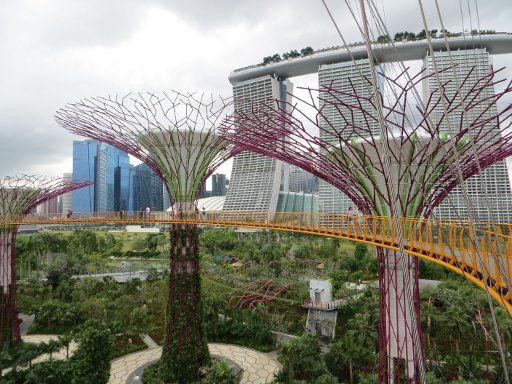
[256, 181]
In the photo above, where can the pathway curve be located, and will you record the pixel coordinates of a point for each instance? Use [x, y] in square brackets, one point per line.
[38, 339]
[258, 367]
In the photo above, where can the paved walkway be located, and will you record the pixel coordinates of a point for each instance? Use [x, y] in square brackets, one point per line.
[60, 355]
[258, 367]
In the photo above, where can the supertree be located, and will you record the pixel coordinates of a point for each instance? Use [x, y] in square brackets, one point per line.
[404, 170]
[175, 134]
[19, 195]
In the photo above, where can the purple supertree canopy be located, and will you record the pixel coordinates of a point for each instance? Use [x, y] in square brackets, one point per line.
[19, 195]
[429, 159]
[174, 133]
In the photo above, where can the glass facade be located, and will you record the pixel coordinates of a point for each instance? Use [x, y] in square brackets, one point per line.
[84, 169]
[113, 179]
[146, 189]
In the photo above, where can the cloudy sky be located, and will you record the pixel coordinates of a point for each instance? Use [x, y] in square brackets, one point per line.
[58, 51]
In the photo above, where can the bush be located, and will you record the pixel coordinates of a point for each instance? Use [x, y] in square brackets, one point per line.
[302, 360]
[246, 330]
[220, 373]
[90, 364]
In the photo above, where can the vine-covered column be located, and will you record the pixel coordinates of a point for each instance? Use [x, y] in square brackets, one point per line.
[185, 348]
[9, 329]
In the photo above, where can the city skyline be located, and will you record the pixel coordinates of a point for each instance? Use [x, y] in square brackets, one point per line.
[104, 62]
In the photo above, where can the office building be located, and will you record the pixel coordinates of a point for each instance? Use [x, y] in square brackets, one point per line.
[256, 180]
[113, 179]
[219, 183]
[146, 189]
[66, 200]
[84, 169]
[490, 194]
[302, 181]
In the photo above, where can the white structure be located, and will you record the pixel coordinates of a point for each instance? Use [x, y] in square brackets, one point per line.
[67, 198]
[490, 193]
[343, 76]
[322, 311]
[141, 229]
[256, 180]
[495, 44]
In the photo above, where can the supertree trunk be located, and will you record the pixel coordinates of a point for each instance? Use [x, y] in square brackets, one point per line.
[185, 350]
[400, 335]
[9, 326]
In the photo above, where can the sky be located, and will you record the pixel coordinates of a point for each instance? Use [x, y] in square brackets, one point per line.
[57, 51]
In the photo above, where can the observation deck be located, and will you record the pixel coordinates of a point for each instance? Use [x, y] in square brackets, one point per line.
[495, 44]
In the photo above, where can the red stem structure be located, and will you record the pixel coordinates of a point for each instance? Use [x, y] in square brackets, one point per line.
[175, 134]
[19, 195]
[426, 164]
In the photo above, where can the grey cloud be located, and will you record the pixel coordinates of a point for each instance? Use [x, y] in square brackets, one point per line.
[52, 55]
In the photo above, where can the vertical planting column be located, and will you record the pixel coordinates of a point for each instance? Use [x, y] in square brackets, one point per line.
[185, 346]
[9, 329]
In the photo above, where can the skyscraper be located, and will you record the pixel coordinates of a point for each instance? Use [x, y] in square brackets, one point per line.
[113, 179]
[146, 189]
[67, 198]
[302, 181]
[256, 180]
[84, 169]
[219, 184]
[345, 76]
[489, 193]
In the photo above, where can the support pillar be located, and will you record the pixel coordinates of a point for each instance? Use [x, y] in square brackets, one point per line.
[400, 341]
[185, 349]
[9, 325]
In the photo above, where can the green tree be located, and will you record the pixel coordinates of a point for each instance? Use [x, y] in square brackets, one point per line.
[90, 364]
[301, 360]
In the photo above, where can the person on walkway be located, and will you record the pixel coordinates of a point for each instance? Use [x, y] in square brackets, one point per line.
[68, 215]
[121, 214]
[148, 213]
[350, 219]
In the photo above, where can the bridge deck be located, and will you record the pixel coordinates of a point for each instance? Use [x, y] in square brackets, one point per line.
[481, 253]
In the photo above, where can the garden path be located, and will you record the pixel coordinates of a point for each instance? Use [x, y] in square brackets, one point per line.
[258, 367]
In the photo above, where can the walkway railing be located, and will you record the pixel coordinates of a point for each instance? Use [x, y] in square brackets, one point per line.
[481, 252]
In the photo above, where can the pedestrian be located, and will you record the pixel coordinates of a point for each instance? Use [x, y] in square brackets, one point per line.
[141, 213]
[148, 212]
[68, 215]
[350, 219]
[121, 214]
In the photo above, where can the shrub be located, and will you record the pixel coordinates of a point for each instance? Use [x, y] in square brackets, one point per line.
[220, 373]
[90, 364]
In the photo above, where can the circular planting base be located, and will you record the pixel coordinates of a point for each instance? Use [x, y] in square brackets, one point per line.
[136, 376]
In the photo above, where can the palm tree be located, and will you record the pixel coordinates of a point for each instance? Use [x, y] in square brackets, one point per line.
[65, 341]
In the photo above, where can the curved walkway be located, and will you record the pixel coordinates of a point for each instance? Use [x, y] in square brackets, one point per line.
[60, 355]
[258, 367]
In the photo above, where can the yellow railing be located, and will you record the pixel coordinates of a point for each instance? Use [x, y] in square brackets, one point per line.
[480, 252]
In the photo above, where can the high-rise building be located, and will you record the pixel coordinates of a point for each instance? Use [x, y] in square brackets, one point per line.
[66, 200]
[166, 198]
[219, 184]
[256, 180]
[345, 77]
[302, 181]
[84, 169]
[146, 189]
[113, 179]
[489, 193]
[49, 206]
